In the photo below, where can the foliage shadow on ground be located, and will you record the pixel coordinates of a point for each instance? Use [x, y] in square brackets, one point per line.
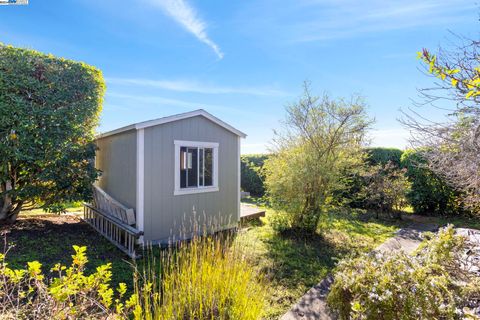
[50, 239]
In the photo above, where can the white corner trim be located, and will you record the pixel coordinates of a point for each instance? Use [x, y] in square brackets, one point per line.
[195, 144]
[239, 177]
[140, 180]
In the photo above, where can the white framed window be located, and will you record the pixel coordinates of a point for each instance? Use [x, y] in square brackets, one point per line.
[196, 167]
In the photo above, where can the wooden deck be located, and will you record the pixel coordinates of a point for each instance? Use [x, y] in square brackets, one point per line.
[249, 212]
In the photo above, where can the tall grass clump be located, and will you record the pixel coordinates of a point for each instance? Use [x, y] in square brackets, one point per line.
[205, 278]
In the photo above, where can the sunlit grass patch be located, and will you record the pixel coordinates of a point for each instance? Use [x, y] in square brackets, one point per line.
[293, 264]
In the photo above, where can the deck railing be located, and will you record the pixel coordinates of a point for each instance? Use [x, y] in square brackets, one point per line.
[113, 229]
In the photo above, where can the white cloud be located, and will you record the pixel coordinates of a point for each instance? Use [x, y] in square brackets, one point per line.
[155, 101]
[188, 18]
[393, 138]
[194, 86]
[353, 18]
[320, 20]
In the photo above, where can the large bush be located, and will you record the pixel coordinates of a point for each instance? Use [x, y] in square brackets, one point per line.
[49, 109]
[358, 181]
[382, 156]
[321, 137]
[384, 188]
[252, 174]
[389, 286]
[429, 193]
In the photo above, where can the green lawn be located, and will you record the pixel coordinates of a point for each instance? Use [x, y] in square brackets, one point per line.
[291, 264]
[49, 238]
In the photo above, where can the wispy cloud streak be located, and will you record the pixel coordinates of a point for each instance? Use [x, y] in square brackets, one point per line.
[187, 17]
[321, 20]
[155, 101]
[196, 87]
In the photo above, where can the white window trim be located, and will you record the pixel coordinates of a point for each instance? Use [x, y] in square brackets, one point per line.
[195, 144]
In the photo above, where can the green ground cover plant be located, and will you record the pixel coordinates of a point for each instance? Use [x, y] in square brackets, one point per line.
[289, 265]
[292, 264]
[206, 278]
[428, 284]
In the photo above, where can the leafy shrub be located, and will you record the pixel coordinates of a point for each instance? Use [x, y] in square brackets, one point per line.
[252, 178]
[320, 138]
[356, 181]
[49, 110]
[204, 279]
[429, 193]
[280, 221]
[25, 293]
[427, 285]
[385, 188]
[382, 156]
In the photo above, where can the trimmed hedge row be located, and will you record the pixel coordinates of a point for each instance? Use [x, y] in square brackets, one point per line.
[383, 156]
[429, 193]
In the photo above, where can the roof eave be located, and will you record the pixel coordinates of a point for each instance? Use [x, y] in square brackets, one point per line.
[177, 117]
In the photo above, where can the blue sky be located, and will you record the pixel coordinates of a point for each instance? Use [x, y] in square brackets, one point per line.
[244, 60]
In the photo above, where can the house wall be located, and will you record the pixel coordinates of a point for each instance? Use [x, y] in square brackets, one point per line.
[117, 159]
[167, 215]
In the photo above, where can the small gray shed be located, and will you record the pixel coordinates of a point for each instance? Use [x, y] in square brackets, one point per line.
[173, 171]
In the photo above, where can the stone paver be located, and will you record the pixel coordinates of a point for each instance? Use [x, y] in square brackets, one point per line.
[407, 239]
[313, 304]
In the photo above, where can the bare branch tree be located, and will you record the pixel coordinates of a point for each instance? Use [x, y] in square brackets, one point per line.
[451, 147]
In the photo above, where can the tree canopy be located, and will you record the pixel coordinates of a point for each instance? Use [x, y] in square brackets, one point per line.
[49, 110]
[320, 138]
[451, 148]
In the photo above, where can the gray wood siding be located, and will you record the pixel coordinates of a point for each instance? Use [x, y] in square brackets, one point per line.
[165, 214]
[117, 158]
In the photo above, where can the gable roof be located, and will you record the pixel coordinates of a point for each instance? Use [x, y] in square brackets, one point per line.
[181, 116]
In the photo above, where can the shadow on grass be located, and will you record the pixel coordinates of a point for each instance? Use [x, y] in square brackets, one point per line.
[49, 240]
[299, 260]
[293, 262]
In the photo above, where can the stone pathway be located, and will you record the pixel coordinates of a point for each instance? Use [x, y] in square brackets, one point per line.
[406, 239]
[313, 305]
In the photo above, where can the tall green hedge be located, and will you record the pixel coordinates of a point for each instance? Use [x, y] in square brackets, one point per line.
[429, 193]
[251, 174]
[379, 155]
[49, 109]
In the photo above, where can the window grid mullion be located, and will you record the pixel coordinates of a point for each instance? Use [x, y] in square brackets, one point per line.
[198, 167]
